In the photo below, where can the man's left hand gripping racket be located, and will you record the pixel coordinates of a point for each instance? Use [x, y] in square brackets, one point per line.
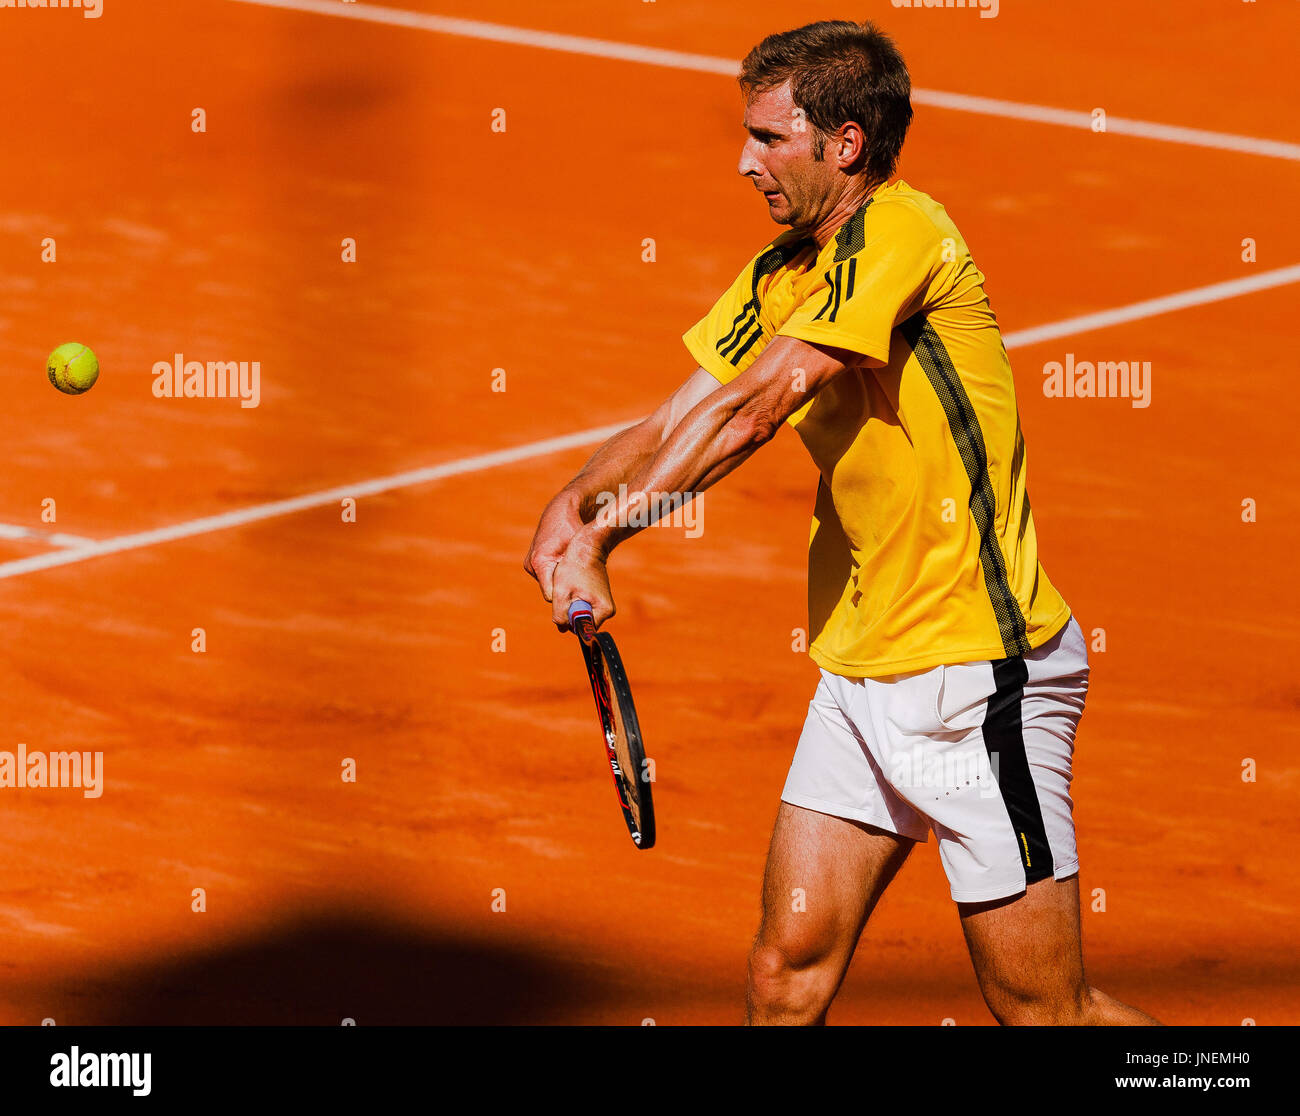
[618, 722]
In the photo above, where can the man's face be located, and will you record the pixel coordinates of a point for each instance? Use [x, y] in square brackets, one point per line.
[778, 159]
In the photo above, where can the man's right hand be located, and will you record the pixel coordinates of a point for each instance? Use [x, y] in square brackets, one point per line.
[559, 523]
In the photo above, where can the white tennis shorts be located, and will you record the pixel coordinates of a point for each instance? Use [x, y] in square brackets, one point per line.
[978, 752]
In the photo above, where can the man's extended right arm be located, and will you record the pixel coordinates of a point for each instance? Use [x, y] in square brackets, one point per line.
[614, 463]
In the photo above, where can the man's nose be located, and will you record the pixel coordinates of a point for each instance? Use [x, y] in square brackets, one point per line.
[748, 163]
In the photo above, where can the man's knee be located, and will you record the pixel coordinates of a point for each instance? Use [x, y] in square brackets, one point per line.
[796, 942]
[794, 976]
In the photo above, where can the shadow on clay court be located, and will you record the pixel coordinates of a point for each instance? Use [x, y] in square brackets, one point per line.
[321, 968]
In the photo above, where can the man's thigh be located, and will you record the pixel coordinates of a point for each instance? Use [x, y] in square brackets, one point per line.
[1027, 950]
[824, 875]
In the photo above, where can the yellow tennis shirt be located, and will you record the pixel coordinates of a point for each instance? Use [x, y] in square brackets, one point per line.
[923, 548]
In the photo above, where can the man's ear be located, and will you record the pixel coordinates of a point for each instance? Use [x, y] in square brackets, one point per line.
[852, 143]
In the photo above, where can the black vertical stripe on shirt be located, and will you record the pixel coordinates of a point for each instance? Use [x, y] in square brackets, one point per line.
[962, 421]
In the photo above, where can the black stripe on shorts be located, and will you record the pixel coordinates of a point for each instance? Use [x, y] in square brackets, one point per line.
[1004, 741]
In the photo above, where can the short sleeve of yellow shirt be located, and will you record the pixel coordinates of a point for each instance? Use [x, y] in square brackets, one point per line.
[876, 277]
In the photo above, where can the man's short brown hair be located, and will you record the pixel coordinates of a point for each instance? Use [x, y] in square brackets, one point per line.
[839, 71]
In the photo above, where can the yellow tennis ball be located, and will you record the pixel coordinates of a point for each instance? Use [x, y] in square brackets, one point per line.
[72, 368]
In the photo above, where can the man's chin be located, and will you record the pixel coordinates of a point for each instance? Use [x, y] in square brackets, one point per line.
[780, 214]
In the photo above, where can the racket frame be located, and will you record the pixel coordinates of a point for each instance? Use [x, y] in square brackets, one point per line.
[598, 647]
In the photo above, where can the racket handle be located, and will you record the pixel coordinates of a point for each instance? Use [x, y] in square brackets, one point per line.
[581, 620]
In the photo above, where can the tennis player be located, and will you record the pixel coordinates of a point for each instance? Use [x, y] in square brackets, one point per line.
[953, 676]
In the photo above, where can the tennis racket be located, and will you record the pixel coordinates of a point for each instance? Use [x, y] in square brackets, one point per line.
[618, 723]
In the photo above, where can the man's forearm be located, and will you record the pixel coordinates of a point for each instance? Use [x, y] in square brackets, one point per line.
[707, 445]
[614, 463]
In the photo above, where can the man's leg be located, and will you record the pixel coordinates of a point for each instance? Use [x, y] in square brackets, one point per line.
[1028, 956]
[804, 945]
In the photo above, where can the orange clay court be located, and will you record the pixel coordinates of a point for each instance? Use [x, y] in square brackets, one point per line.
[480, 769]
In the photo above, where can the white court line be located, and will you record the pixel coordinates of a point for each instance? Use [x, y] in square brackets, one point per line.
[710, 64]
[1150, 308]
[53, 538]
[1199, 296]
[240, 516]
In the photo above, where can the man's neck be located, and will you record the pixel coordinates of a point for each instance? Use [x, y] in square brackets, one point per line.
[846, 207]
